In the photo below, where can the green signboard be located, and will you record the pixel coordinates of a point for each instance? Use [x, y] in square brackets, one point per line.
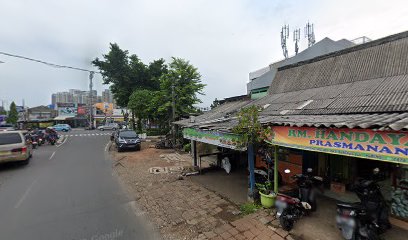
[216, 138]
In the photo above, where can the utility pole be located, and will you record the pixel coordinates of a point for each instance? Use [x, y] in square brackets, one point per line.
[91, 74]
[173, 107]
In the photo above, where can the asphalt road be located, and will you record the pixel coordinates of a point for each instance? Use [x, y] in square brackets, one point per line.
[68, 192]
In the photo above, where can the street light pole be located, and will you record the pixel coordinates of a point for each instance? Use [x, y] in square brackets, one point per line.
[91, 74]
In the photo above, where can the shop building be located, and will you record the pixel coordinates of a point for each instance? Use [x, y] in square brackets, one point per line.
[342, 114]
[36, 117]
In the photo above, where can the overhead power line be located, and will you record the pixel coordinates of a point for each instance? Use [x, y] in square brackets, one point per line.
[47, 63]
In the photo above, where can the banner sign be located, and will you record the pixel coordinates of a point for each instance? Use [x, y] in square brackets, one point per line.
[225, 140]
[378, 145]
[67, 111]
[81, 110]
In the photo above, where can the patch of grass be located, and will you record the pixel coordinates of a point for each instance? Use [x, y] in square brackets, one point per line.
[248, 208]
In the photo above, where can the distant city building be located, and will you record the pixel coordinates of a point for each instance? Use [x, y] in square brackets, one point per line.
[107, 96]
[80, 97]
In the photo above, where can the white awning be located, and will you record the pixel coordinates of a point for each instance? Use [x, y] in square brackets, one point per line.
[62, 118]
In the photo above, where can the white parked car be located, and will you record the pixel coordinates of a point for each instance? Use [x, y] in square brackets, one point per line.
[109, 126]
[14, 147]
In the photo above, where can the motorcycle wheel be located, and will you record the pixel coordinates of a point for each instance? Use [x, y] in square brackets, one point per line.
[372, 235]
[285, 222]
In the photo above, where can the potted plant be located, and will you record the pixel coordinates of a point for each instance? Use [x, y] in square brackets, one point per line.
[252, 133]
[267, 194]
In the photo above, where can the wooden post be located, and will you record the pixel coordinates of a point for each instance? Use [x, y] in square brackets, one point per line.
[275, 171]
[251, 167]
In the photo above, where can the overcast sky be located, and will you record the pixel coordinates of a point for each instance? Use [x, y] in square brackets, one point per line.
[224, 39]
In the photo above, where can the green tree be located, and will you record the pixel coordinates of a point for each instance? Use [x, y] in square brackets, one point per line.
[156, 69]
[215, 103]
[183, 81]
[3, 112]
[115, 70]
[249, 127]
[13, 114]
[139, 104]
[126, 73]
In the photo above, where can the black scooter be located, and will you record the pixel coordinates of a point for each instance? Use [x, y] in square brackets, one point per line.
[266, 174]
[366, 219]
[292, 208]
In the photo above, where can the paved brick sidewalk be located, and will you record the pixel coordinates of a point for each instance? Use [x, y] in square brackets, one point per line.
[183, 209]
[257, 226]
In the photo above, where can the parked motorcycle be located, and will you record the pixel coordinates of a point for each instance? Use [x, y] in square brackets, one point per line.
[52, 139]
[32, 138]
[263, 174]
[41, 137]
[292, 208]
[368, 218]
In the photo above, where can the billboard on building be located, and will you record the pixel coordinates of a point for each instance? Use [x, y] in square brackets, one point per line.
[67, 109]
[81, 110]
[364, 143]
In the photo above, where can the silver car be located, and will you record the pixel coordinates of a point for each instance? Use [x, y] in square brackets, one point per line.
[109, 126]
[14, 147]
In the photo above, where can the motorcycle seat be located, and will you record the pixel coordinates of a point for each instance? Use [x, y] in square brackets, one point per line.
[295, 199]
[356, 205]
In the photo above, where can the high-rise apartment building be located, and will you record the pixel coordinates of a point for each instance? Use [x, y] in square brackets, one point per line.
[107, 96]
[81, 97]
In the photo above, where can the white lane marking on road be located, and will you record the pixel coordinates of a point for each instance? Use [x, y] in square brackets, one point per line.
[106, 147]
[25, 194]
[52, 155]
[93, 134]
[76, 135]
[65, 140]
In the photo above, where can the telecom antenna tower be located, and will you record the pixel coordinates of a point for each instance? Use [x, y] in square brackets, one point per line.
[284, 36]
[296, 38]
[309, 34]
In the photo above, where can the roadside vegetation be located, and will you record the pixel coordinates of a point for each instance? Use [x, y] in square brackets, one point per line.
[150, 90]
[248, 208]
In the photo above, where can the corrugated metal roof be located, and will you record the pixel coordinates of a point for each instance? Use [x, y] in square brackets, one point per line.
[263, 77]
[384, 121]
[378, 59]
[364, 87]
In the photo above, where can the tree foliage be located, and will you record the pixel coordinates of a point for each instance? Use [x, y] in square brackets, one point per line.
[115, 69]
[249, 127]
[13, 114]
[215, 103]
[139, 103]
[184, 81]
[147, 90]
